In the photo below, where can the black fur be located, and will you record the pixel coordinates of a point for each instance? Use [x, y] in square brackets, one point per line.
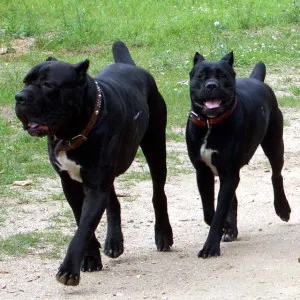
[256, 120]
[58, 101]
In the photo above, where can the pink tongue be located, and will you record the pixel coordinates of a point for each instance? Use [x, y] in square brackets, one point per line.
[32, 125]
[212, 103]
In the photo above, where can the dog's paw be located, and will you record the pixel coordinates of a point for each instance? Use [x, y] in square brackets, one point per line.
[210, 250]
[163, 237]
[229, 235]
[67, 278]
[283, 209]
[91, 262]
[114, 245]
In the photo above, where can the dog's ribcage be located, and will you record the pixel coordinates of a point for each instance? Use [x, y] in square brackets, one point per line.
[206, 153]
[66, 164]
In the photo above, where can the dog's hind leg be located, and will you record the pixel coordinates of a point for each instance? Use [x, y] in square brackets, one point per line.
[73, 191]
[114, 239]
[230, 231]
[274, 149]
[153, 145]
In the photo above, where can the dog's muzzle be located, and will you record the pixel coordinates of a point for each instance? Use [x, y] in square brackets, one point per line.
[32, 127]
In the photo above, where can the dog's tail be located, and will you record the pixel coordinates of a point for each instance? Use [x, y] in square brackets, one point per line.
[121, 53]
[259, 71]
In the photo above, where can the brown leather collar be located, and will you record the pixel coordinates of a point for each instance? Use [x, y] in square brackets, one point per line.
[209, 122]
[77, 140]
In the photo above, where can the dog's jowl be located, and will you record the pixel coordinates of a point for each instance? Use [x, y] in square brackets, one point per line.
[94, 128]
[229, 119]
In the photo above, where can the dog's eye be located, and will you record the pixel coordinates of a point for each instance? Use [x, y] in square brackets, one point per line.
[222, 75]
[48, 84]
[200, 75]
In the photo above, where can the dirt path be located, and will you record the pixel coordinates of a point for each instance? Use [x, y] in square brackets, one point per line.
[261, 264]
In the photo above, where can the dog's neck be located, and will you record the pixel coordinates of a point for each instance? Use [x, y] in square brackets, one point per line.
[77, 139]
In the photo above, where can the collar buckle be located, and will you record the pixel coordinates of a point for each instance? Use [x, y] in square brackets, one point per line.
[75, 141]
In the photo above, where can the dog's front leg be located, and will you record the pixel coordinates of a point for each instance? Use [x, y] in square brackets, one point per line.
[93, 207]
[74, 193]
[205, 182]
[228, 186]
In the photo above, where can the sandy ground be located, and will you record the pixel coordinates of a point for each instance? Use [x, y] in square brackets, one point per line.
[261, 264]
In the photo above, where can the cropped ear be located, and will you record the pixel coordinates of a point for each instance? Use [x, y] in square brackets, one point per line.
[50, 58]
[81, 69]
[198, 57]
[82, 66]
[229, 58]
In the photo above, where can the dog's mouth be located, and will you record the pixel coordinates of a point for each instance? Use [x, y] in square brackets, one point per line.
[212, 103]
[211, 107]
[34, 129]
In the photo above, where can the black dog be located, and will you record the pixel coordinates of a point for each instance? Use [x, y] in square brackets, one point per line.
[94, 128]
[228, 121]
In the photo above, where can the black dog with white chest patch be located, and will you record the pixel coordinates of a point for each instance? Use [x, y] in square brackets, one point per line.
[94, 128]
[229, 119]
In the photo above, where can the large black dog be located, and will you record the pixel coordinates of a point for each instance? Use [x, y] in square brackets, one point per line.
[94, 128]
[229, 119]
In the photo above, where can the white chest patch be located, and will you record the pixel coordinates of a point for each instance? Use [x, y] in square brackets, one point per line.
[206, 154]
[66, 164]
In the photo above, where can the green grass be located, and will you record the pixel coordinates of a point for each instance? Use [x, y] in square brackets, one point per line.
[3, 215]
[62, 218]
[21, 156]
[72, 24]
[55, 244]
[178, 164]
[58, 196]
[19, 244]
[162, 37]
[47, 244]
[289, 102]
[295, 90]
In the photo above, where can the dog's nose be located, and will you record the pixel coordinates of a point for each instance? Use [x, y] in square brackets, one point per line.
[211, 85]
[20, 97]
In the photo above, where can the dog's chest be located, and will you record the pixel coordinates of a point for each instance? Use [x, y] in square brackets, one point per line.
[66, 164]
[206, 153]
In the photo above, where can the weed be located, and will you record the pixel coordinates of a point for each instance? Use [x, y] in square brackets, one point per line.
[19, 244]
[58, 196]
[295, 90]
[289, 102]
[47, 244]
[3, 214]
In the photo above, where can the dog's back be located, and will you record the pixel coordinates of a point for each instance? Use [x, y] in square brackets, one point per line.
[121, 53]
[259, 71]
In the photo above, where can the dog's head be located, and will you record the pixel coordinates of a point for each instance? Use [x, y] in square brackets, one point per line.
[212, 86]
[52, 96]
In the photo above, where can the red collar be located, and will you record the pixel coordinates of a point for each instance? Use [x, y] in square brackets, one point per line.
[209, 122]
